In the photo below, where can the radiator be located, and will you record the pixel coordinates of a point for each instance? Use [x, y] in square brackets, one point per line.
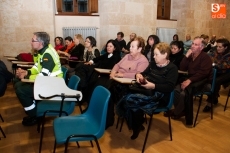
[84, 31]
[166, 34]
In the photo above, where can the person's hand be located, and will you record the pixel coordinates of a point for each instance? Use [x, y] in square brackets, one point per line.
[88, 63]
[139, 77]
[189, 53]
[148, 85]
[185, 84]
[20, 73]
[119, 75]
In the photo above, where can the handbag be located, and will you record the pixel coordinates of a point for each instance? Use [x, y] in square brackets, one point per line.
[136, 87]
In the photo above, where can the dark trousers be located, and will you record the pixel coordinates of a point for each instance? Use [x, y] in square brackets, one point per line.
[137, 119]
[221, 79]
[25, 94]
[183, 99]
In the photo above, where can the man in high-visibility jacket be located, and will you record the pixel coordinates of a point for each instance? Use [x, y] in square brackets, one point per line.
[47, 64]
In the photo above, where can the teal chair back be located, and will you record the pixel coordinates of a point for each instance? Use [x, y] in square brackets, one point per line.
[168, 107]
[64, 70]
[87, 126]
[98, 108]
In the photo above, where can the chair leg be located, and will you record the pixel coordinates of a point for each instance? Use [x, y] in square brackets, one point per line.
[146, 119]
[78, 144]
[122, 122]
[42, 133]
[2, 132]
[80, 108]
[91, 143]
[39, 124]
[147, 133]
[1, 118]
[227, 100]
[212, 107]
[54, 146]
[118, 119]
[66, 147]
[98, 147]
[198, 110]
[170, 128]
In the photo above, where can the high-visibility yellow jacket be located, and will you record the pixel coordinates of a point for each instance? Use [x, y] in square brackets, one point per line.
[47, 63]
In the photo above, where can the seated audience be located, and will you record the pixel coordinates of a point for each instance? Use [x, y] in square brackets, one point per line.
[160, 78]
[177, 53]
[199, 67]
[187, 43]
[127, 48]
[59, 44]
[5, 77]
[128, 66]
[69, 44]
[105, 61]
[90, 49]
[175, 37]
[47, 63]
[121, 42]
[221, 61]
[208, 46]
[151, 43]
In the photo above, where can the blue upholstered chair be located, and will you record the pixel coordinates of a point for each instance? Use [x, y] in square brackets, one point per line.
[209, 91]
[84, 127]
[52, 108]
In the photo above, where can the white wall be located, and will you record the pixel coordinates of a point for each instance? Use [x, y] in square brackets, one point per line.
[77, 21]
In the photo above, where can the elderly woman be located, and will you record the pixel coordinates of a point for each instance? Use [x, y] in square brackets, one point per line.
[129, 65]
[159, 77]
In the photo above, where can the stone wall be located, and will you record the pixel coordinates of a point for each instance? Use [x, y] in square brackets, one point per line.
[19, 19]
[194, 17]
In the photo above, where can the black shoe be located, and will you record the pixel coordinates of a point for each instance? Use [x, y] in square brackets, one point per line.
[207, 108]
[189, 123]
[29, 121]
[26, 118]
[137, 131]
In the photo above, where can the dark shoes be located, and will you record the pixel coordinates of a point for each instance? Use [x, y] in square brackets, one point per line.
[176, 117]
[29, 121]
[207, 108]
[137, 131]
[169, 113]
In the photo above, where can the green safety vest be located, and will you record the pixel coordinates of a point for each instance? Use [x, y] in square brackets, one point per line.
[37, 68]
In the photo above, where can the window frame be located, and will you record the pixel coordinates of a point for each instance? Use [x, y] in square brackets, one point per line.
[163, 8]
[91, 8]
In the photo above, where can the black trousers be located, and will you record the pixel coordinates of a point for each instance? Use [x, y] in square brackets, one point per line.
[221, 79]
[183, 100]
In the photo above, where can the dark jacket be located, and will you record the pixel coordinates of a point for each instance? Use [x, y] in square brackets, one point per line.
[5, 77]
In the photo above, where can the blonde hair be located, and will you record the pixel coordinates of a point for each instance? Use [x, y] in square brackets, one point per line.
[80, 38]
[164, 48]
[140, 43]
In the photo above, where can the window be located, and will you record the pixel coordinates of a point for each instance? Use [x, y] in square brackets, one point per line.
[163, 9]
[77, 7]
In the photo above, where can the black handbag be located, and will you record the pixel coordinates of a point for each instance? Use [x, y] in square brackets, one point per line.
[136, 87]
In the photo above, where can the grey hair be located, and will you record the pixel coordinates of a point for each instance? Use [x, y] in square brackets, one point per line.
[43, 37]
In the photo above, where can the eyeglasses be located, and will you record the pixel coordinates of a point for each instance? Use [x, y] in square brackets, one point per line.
[87, 41]
[34, 40]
